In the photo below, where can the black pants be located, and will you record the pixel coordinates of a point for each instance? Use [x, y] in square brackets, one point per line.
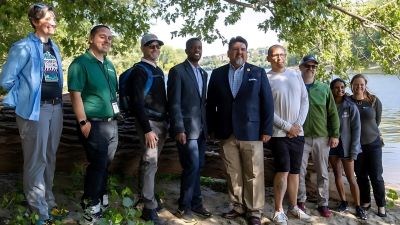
[100, 147]
[368, 166]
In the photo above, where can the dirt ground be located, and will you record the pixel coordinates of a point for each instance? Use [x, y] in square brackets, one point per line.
[68, 196]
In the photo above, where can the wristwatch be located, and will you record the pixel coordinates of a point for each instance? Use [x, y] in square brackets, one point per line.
[83, 122]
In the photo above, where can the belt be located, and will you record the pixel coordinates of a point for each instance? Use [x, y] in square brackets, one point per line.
[101, 119]
[53, 101]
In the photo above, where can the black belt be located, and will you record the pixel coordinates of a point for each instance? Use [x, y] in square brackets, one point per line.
[101, 119]
[53, 101]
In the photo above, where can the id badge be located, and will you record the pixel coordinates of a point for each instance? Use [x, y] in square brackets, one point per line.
[115, 107]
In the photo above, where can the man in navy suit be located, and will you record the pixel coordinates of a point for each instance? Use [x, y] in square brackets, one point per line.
[187, 87]
[240, 113]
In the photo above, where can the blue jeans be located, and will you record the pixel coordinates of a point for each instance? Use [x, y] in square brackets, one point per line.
[368, 166]
[191, 157]
[100, 148]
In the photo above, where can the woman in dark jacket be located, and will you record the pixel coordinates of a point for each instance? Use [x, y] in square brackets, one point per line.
[349, 146]
[368, 165]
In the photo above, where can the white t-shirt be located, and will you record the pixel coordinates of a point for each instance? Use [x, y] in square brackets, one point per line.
[290, 100]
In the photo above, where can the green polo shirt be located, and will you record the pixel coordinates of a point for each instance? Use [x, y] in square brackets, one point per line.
[97, 83]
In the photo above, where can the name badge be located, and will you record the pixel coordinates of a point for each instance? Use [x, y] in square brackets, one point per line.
[115, 107]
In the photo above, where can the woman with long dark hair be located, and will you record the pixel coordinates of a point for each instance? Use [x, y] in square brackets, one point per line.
[368, 166]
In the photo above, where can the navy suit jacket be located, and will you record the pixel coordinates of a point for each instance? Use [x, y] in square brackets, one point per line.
[247, 116]
[186, 106]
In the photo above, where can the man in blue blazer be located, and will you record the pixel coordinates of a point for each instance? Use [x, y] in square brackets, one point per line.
[240, 113]
[187, 87]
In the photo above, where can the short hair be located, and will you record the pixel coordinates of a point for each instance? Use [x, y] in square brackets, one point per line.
[237, 39]
[333, 82]
[38, 11]
[274, 47]
[191, 41]
[94, 30]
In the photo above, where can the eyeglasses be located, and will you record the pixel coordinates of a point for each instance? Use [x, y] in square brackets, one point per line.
[310, 66]
[154, 46]
[278, 55]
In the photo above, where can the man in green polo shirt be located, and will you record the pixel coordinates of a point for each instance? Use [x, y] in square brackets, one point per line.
[92, 83]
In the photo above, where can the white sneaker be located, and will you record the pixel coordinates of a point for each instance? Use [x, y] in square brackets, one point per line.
[104, 202]
[280, 218]
[299, 214]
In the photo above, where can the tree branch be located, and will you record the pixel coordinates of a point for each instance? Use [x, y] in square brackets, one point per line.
[364, 20]
[236, 2]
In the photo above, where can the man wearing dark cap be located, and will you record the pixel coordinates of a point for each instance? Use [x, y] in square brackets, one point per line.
[149, 107]
[321, 132]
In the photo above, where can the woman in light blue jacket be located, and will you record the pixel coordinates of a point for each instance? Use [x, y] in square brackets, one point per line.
[349, 146]
[32, 75]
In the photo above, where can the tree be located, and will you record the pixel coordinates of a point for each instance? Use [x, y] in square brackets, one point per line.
[324, 27]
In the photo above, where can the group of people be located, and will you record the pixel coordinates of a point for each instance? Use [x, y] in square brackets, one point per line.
[243, 106]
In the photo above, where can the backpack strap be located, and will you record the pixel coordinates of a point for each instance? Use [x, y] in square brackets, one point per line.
[150, 78]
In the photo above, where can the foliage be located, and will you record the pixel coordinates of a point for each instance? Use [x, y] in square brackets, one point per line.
[392, 197]
[330, 29]
[128, 19]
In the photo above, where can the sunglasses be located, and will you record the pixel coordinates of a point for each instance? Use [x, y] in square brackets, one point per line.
[154, 46]
[310, 66]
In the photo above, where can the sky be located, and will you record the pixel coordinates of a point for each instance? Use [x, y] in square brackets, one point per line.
[245, 27]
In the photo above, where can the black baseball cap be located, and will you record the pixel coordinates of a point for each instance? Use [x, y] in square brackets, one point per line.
[309, 58]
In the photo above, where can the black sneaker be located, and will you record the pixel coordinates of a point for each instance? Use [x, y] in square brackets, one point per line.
[360, 213]
[343, 206]
[151, 215]
[186, 216]
[201, 211]
[90, 219]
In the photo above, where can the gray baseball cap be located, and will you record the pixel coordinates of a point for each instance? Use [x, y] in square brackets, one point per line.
[147, 38]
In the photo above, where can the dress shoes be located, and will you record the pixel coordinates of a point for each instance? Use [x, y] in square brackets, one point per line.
[201, 211]
[252, 220]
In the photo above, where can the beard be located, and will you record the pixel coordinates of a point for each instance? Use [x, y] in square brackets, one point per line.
[239, 61]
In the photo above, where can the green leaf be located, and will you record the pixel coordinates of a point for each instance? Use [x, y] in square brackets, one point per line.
[127, 202]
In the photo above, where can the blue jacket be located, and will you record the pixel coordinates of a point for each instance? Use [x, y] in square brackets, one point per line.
[186, 106]
[22, 76]
[247, 116]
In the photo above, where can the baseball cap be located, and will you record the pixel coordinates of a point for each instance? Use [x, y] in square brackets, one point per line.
[146, 38]
[308, 58]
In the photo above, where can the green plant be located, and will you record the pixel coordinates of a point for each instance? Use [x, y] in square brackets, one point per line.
[392, 197]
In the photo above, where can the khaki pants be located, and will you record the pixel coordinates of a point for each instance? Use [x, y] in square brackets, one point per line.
[244, 162]
[319, 149]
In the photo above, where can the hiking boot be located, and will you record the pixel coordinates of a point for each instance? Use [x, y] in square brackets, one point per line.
[343, 206]
[360, 213]
[324, 211]
[151, 215]
[302, 206]
[299, 214]
[186, 216]
[280, 218]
